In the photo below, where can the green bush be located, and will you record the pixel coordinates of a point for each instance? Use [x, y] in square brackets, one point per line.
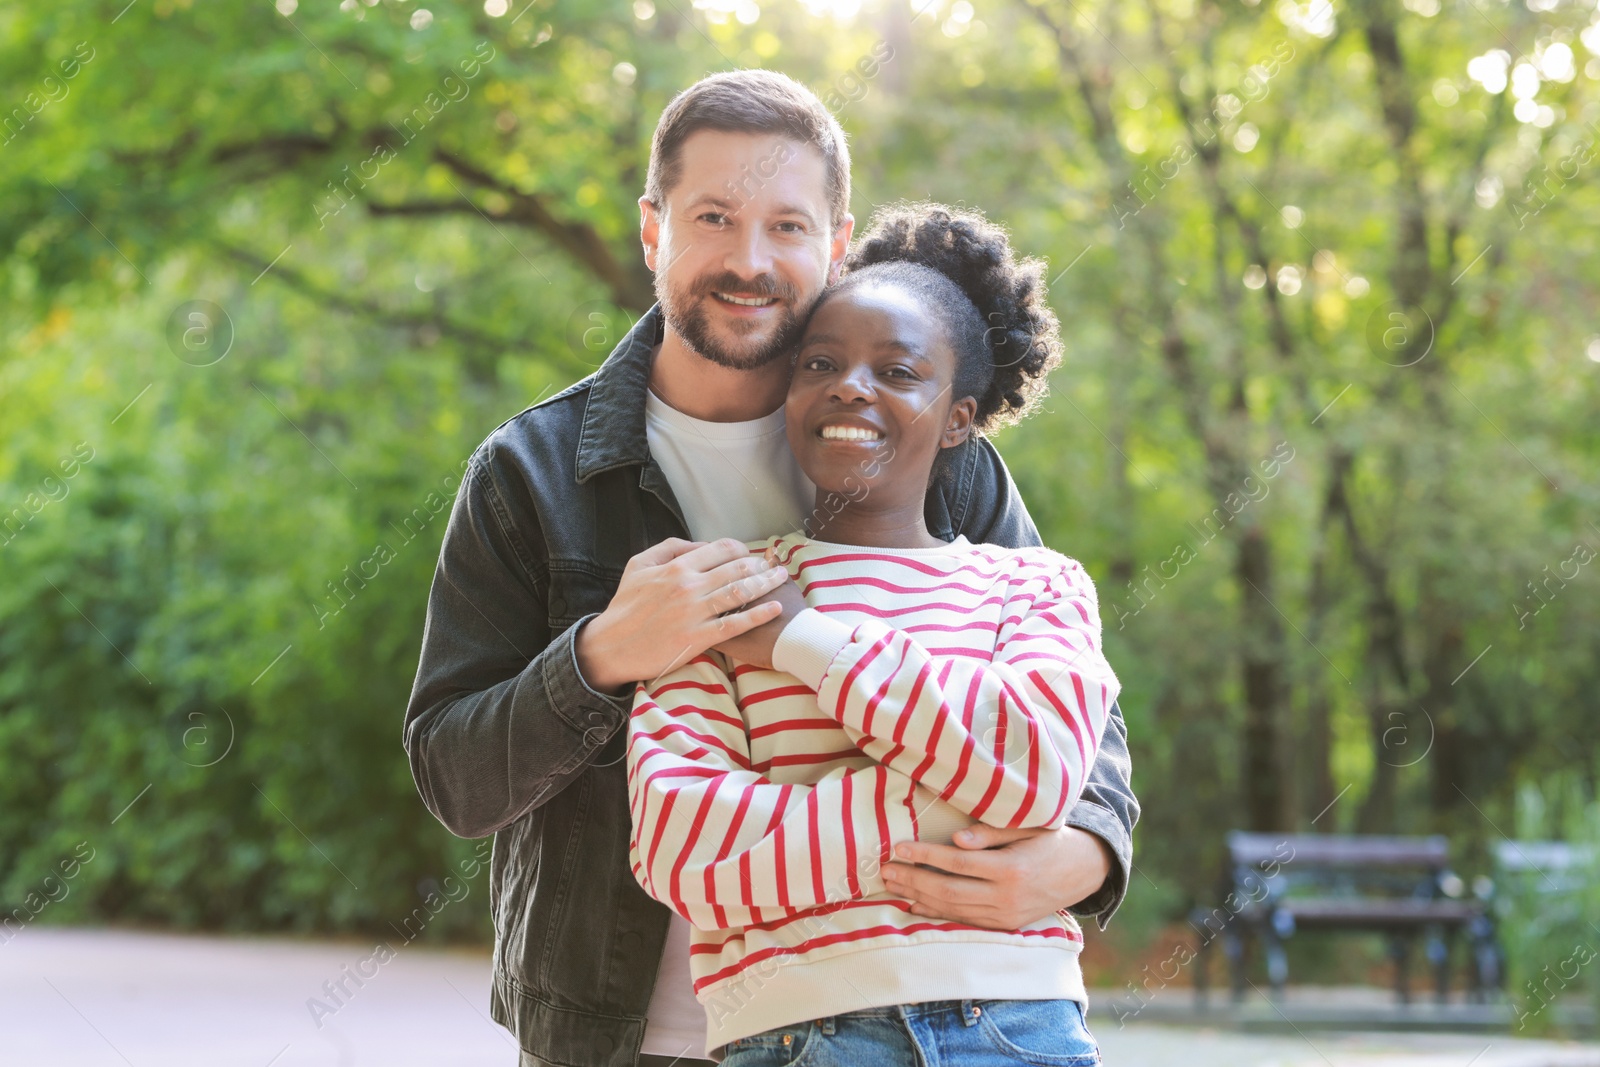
[1547, 915]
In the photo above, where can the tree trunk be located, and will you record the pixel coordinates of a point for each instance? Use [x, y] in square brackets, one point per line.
[1262, 662]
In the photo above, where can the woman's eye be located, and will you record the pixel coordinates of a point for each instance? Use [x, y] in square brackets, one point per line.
[816, 363]
[899, 372]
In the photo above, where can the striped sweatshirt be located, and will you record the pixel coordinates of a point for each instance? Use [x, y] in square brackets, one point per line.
[920, 691]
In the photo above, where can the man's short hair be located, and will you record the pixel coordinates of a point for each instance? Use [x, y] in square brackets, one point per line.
[750, 101]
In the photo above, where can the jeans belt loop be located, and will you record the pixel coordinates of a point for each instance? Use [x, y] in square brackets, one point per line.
[969, 1013]
[829, 1025]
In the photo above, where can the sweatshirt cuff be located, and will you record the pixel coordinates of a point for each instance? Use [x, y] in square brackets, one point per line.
[937, 820]
[808, 644]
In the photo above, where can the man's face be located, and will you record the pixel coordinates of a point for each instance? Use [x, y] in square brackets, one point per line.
[743, 245]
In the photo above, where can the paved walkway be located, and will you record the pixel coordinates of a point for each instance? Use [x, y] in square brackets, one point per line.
[82, 998]
[95, 998]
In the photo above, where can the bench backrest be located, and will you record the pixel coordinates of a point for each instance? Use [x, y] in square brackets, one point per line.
[1347, 865]
[1550, 857]
[1360, 851]
[1544, 868]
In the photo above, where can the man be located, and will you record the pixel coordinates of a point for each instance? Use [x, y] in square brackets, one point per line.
[567, 575]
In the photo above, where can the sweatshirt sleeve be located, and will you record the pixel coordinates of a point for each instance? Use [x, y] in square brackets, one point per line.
[1009, 741]
[722, 845]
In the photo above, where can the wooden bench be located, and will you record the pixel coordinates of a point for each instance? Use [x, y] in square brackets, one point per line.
[1545, 883]
[1399, 887]
[1554, 869]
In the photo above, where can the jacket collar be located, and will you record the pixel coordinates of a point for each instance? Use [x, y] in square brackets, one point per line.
[613, 433]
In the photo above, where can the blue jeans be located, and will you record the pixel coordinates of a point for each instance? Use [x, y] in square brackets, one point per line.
[939, 1033]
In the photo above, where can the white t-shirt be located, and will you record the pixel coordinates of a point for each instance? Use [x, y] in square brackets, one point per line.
[732, 479]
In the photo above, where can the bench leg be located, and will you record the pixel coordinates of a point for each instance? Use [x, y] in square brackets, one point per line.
[1234, 946]
[1400, 952]
[1440, 944]
[1277, 962]
[1486, 966]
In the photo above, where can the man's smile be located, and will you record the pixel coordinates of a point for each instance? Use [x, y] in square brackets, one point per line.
[746, 301]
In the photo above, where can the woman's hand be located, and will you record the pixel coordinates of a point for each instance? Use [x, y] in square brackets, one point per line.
[754, 647]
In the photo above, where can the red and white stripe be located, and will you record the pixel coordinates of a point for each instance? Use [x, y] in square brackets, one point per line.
[763, 809]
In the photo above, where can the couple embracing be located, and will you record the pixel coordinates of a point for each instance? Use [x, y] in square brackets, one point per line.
[752, 624]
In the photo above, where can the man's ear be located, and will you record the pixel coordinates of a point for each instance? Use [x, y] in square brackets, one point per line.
[649, 231]
[839, 246]
[958, 427]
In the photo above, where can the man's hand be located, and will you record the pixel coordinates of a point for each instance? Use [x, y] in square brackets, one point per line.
[676, 599]
[755, 646]
[999, 879]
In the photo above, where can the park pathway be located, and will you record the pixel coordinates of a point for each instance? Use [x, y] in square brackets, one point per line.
[104, 998]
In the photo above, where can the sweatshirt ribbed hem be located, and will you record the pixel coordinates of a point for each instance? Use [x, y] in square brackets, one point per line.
[790, 992]
[808, 644]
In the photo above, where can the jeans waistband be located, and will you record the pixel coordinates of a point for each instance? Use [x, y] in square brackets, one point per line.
[927, 1007]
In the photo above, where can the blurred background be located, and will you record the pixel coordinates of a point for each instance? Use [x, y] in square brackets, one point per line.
[1326, 432]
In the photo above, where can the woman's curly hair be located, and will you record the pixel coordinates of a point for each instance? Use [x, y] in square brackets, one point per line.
[1006, 338]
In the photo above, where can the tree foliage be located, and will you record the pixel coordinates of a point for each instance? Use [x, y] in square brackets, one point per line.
[1325, 435]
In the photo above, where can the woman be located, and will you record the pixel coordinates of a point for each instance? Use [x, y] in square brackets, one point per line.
[911, 688]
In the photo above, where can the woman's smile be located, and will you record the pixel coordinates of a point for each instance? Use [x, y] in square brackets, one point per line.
[850, 431]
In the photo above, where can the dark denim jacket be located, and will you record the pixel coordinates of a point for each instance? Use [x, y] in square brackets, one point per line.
[506, 738]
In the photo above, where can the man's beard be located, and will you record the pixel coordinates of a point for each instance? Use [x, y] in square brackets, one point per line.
[687, 315]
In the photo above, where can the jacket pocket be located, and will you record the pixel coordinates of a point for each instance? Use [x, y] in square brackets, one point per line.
[513, 883]
[575, 589]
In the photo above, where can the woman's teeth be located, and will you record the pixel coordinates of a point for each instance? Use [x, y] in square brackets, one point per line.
[747, 301]
[849, 433]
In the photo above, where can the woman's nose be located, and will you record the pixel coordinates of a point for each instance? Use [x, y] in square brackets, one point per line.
[854, 385]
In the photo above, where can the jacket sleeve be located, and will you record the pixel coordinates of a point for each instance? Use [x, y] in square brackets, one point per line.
[722, 845]
[984, 504]
[500, 719]
[1008, 741]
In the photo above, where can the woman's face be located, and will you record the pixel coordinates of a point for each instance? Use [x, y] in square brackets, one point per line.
[869, 406]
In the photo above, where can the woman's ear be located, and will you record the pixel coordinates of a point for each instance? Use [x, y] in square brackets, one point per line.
[958, 426]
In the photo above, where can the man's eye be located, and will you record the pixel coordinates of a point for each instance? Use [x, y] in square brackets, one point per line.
[899, 372]
[716, 218]
[791, 227]
[816, 363]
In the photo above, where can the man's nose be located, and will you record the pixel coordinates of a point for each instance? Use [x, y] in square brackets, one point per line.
[750, 252]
